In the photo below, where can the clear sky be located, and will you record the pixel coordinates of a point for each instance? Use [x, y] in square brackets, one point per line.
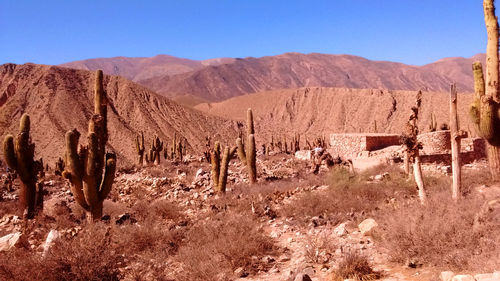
[409, 31]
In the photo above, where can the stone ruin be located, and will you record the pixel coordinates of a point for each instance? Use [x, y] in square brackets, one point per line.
[371, 149]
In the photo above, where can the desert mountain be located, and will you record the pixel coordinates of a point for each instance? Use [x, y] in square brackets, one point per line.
[59, 99]
[319, 111]
[144, 67]
[294, 70]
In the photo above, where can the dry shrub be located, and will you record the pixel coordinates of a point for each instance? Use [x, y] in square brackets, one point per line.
[89, 256]
[440, 234]
[214, 248]
[349, 194]
[355, 266]
[159, 209]
[319, 248]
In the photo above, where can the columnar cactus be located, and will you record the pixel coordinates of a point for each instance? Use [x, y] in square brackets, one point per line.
[156, 148]
[220, 167]
[484, 110]
[89, 169]
[248, 156]
[19, 153]
[139, 145]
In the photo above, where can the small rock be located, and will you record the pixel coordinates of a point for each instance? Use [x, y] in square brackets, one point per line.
[340, 230]
[51, 237]
[302, 277]
[463, 278]
[11, 240]
[446, 275]
[240, 272]
[367, 226]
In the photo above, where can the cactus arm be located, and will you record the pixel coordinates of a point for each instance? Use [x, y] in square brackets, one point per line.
[250, 127]
[109, 176]
[9, 152]
[491, 49]
[73, 167]
[241, 151]
[24, 125]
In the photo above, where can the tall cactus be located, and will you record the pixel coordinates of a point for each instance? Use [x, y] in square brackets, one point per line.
[139, 145]
[19, 153]
[484, 110]
[89, 169]
[220, 166]
[433, 125]
[248, 156]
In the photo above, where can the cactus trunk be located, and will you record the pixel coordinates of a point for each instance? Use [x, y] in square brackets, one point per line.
[484, 110]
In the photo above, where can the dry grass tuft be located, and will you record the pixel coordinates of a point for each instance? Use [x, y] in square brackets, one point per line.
[355, 266]
[441, 234]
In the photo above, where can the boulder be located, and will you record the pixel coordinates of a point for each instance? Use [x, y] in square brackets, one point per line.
[367, 226]
[302, 277]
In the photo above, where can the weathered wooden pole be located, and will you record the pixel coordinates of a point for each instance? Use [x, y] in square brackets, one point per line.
[456, 138]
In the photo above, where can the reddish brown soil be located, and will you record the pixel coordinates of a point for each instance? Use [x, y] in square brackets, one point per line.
[59, 99]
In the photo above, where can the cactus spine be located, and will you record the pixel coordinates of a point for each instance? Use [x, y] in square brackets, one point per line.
[19, 153]
[139, 145]
[484, 110]
[89, 169]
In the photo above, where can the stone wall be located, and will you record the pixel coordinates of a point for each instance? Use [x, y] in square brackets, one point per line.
[435, 142]
[352, 145]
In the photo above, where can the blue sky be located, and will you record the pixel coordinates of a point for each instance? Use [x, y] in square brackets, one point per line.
[409, 31]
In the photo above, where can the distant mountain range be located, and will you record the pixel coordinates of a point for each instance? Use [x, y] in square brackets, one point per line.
[220, 79]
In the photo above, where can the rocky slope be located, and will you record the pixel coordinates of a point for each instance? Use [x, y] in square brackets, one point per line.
[294, 70]
[144, 67]
[59, 99]
[319, 111]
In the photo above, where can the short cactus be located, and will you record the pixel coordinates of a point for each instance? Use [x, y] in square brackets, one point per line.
[89, 169]
[19, 154]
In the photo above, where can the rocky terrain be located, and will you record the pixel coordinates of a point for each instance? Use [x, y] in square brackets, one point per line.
[289, 226]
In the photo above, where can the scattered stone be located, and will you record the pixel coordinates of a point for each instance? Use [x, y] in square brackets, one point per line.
[446, 275]
[125, 217]
[367, 226]
[240, 272]
[11, 240]
[340, 230]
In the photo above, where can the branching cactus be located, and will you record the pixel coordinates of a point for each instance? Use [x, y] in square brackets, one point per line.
[19, 153]
[248, 155]
[139, 145]
[484, 111]
[220, 166]
[89, 169]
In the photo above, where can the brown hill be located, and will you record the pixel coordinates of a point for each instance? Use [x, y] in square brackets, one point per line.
[144, 67]
[59, 99]
[294, 70]
[319, 111]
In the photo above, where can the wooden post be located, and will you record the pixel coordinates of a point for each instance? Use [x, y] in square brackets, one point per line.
[456, 136]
